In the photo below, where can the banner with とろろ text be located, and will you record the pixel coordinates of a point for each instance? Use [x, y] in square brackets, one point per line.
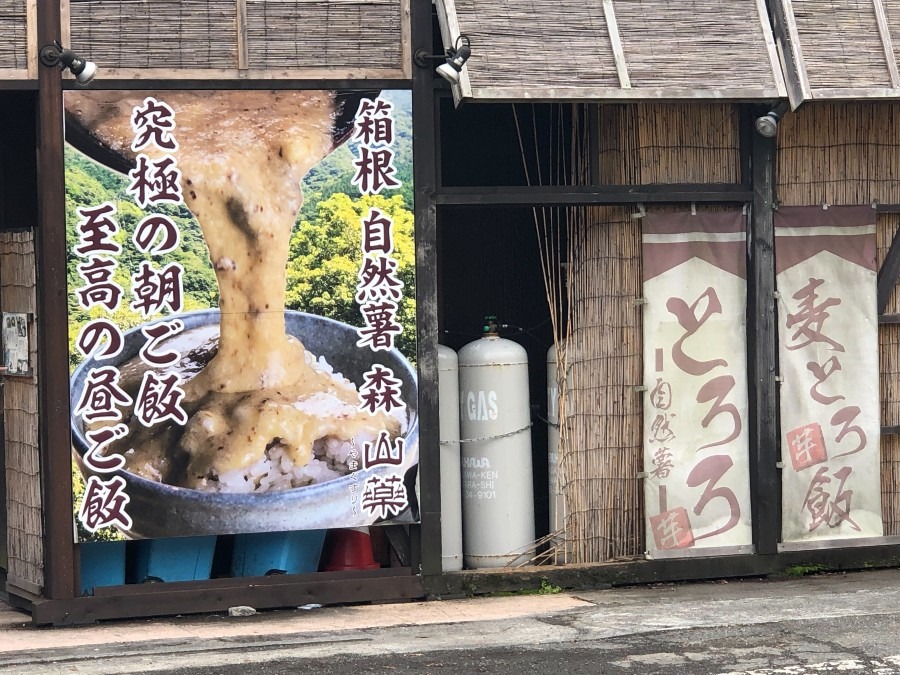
[828, 355]
[697, 486]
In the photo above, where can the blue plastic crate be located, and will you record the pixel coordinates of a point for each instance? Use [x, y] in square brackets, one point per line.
[177, 559]
[102, 564]
[264, 553]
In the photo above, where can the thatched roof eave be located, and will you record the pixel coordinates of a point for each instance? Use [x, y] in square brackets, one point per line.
[840, 50]
[614, 49]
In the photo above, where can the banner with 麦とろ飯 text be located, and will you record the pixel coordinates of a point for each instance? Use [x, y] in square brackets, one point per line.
[828, 359]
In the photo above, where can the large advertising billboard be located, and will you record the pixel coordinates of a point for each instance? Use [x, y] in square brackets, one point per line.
[241, 311]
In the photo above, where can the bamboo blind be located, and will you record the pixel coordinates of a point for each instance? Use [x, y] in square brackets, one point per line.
[20, 411]
[834, 153]
[601, 447]
[849, 153]
[322, 33]
[538, 43]
[13, 28]
[841, 44]
[278, 35]
[601, 413]
[690, 142]
[532, 48]
[840, 153]
[694, 43]
[889, 360]
[155, 33]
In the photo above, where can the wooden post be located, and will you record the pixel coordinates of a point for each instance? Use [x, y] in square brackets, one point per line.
[424, 175]
[52, 320]
[765, 478]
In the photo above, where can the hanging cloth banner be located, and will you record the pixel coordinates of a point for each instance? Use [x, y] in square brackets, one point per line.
[696, 456]
[828, 349]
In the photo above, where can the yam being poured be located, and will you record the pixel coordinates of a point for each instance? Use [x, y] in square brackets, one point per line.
[263, 413]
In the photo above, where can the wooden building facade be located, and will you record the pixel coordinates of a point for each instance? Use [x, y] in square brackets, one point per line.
[560, 136]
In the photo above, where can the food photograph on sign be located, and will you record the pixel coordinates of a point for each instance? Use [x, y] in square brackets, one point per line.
[241, 311]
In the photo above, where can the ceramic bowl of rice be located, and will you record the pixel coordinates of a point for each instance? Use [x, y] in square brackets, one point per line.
[269, 492]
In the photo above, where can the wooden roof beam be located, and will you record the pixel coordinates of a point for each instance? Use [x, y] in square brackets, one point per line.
[787, 39]
[615, 40]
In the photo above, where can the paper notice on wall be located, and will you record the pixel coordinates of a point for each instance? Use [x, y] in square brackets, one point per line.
[828, 354]
[15, 344]
[697, 485]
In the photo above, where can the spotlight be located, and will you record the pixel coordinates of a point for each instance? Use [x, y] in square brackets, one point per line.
[454, 59]
[57, 55]
[767, 125]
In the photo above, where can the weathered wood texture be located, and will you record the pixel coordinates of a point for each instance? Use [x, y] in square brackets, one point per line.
[762, 332]
[592, 577]
[848, 153]
[316, 34]
[155, 33]
[841, 43]
[217, 595]
[841, 48]
[14, 31]
[542, 47]
[694, 45]
[20, 420]
[222, 36]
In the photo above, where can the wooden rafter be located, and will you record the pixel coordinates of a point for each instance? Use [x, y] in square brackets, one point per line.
[615, 40]
[885, 31]
[241, 25]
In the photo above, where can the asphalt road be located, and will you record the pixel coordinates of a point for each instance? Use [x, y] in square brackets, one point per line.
[829, 624]
[855, 645]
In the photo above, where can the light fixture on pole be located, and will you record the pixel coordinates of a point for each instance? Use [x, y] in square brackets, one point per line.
[56, 55]
[454, 59]
[767, 125]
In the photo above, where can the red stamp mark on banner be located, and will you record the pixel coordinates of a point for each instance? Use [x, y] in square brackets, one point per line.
[672, 529]
[806, 445]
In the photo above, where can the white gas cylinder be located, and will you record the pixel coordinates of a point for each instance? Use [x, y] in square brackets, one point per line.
[451, 479]
[495, 435]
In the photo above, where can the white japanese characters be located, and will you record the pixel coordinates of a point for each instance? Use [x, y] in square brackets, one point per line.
[378, 292]
[154, 181]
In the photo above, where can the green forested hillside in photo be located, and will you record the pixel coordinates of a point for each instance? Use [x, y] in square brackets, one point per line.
[334, 173]
[89, 184]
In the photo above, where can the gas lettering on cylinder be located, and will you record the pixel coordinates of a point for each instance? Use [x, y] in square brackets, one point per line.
[482, 406]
